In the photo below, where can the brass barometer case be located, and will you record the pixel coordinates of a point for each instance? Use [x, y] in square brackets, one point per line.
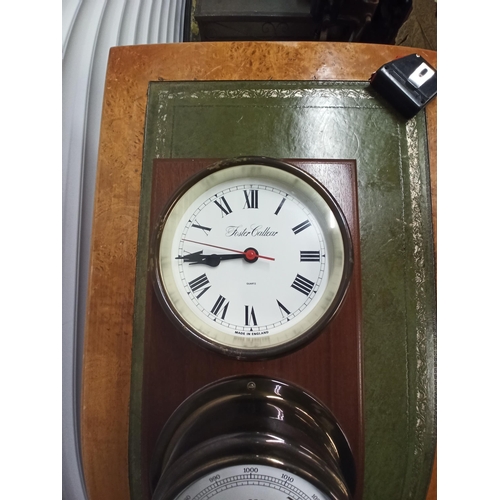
[252, 437]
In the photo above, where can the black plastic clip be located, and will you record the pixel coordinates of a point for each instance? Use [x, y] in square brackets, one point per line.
[408, 84]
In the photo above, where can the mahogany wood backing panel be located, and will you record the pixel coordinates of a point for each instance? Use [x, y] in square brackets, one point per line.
[108, 329]
[329, 367]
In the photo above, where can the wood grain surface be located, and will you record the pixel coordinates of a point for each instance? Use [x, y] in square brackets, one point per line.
[110, 305]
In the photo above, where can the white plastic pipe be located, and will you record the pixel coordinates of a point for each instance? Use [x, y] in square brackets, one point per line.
[90, 28]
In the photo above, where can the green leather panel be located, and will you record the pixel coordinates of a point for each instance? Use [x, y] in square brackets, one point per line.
[334, 120]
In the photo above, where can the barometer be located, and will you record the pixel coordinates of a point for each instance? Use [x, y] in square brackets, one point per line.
[252, 257]
[252, 438]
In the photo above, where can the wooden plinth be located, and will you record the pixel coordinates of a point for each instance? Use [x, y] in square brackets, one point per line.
[110, 305]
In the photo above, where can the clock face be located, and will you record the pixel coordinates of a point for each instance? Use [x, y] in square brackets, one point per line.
[252, 481]
[253, 258]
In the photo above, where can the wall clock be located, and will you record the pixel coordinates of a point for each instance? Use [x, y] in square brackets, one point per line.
[252, 437]
[252, 257]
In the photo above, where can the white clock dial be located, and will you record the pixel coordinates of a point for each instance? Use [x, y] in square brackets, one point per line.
[252, 257]
[251, 481]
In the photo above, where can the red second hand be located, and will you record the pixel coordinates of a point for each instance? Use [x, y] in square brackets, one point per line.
[231, 250]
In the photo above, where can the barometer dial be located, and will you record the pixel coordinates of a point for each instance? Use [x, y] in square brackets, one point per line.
[252, 481]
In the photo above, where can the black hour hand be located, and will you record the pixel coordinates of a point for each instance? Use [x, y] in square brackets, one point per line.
[196, 258]
[212, 260]
[191, 257]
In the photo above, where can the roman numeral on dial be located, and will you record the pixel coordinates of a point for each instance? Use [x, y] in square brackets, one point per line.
[220, 305]
[300, 227]
[251, 198]
[224, 206]
[282, 308]
[279, 206]
[205, 229]
[302, 284]
[198, 283]
[309, 256]
[250, 316]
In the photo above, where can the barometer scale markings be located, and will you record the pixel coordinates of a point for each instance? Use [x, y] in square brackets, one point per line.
[250, 480]
[226, 209]
[300, 227]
